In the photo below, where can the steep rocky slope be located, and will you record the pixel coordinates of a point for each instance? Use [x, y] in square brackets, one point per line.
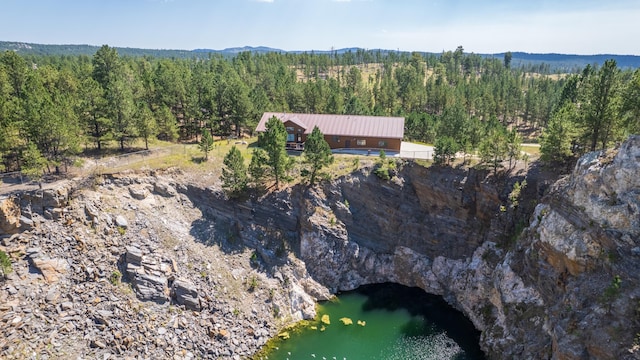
[155, 265]
[567, 289]
[128, 266]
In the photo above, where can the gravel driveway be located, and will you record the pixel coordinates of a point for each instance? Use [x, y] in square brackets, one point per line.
[415, 151]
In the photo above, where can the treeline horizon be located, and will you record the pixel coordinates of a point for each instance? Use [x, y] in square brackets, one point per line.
[53, 107]
[555, 62]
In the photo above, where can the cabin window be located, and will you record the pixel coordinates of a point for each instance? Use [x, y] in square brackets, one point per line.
[382, 143]
[361, 142]
[291, 137]
[336, 138]
[290, 129]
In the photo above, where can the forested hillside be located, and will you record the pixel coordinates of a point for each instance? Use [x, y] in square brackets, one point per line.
[550, 62]
[54, 107]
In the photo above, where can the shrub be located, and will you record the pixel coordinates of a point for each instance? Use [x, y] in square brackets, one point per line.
[385, 168]
[5, 264]
[253, 283]
[382, 172]
[612, 291]
[115, 277]
[356, 163]
[514, 196]
[614, 288]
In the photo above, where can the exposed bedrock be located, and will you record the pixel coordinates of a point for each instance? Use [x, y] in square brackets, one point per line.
[566, 289]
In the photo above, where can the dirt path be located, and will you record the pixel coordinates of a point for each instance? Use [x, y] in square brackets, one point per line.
[14, 185]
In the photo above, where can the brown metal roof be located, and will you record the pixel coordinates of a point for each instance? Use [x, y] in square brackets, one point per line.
[343, 125]
[294, 120]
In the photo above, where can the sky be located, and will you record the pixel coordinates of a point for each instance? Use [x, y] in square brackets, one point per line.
[583, 27]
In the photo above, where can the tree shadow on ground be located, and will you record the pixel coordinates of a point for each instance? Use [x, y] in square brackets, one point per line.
[198, 159]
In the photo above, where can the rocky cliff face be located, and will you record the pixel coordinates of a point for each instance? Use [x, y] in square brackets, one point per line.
[139, 266]
[581, 254]
[156, 266]
[567, 289]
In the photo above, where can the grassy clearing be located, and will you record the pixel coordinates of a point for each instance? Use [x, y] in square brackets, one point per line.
[333, 71]
[344, 164]
[531, 150]
[189, 158]
[163, 155]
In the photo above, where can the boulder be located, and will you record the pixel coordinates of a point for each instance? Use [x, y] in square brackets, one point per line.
[91, 211]
[151, 287]
[9, 216]
[55, 198]
[185, 293]
[121, 222]
[164, 189]
[40, 200]
[26, 223]
[138, 193]
[303, 307]
[51, 269]
[133, 255]
[149, 282]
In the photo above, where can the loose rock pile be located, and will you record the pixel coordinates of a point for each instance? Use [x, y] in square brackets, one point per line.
[117, 272]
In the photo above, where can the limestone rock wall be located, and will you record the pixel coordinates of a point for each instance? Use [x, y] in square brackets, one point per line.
[431, 210]
[567, 289]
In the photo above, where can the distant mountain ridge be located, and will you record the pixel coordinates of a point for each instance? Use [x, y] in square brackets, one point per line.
[623, 61]
[560, 62]
[237, 50]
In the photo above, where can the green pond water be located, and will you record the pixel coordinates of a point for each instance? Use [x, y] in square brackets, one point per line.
[396, 322]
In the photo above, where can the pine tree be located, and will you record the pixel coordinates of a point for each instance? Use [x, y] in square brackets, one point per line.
[257, 167]
[513, 143]
[121, 110]
[445, 150]
[631, 102]
[234, 174]
[166, 122]
[600, 104]
[146, 124]
[50, 118]
[493, 147]
[317, 153]
[96, 124]
[206, 143]
[557, 139]
[273, 140]
[33, 163]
